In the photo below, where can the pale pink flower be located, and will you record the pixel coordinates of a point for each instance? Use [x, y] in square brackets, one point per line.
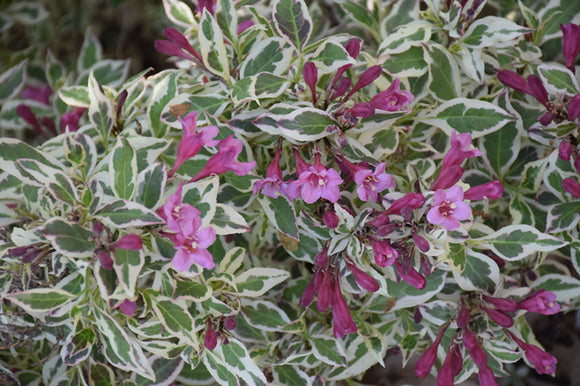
[318, 181]
[393, 98]
[225, 160]
[448, 208]
[371, 184]
[192, 140]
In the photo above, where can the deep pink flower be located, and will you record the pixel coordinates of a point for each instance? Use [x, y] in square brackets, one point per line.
[461, 148]
[226, 160]
[244, 25]
[574, 108]
[513, 80]
[570, 43]
[426, 361]
[177, 213]
[409, 200]
[571, 186]
[325, 290]
[537, 90]
[411, 276]
[365, 79]
[318, 181]
[486, 377]
[371, 184]
[565, 150]
[541, 301]
[71, 119]
[330, 219]
[310, 74]
[231, 322]
[353, 47]
[499, 317]
[464, 315]
[341, 88]
[542, 361]
[421, 243]
[128, 307]
[38, 94]
[343, 322]
[130, 242]
[393, 98]
[205, 4]
[363, 279]
[192, 141]
[451, 367]
[507, 305]
[448, 208]
[361, 110]
[447, 177]
[473, 347]
[490, 190]
[177, 46]
[311, 289]
[385, 254]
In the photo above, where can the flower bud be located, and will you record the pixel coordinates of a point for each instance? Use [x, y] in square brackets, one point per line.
[105, 259]
[129, 242]
[409, 200]
[574, 108]
[571, 186]
[472, 345]
[231, 322]
[363, 279]
[570, 43]
[128, 307]
[513, 80]
[499, 317]
[210, 338]
[429, 356]
[565, 150]
[330, 219]
[310, 73]
[490, 190]
[507, 305]
[421, 243]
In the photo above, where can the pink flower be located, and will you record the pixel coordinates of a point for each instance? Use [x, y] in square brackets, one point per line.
[128, 307]
[330, 219]
[273, 184]
[190, 241]
[361, 110]
[448, 208]
[363, 279]
[489, 190]
[130, 242]
[541, 301]
[472, 345]
[409, 201]
[192, 141]
[507, 305]
[210, 337]
[570, 43]
[319, 181]
[371, 184]
[451, 367]
[571, 186]
[393, 98]
[429, 356]
[499, 317]
[542, 361]
[105, 259]
[177, 46]
[71, 119]
[365, 79]
[385, 254]
[226, 160]
[485, 376]
[565, 150]
[343, 323]
[447, 177]
[411, 276]
[461, 149]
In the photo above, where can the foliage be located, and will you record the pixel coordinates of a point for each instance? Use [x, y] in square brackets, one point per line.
[363, 156]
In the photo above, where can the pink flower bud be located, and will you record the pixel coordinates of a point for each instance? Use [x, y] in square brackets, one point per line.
[410, 200]
[541, 301]
[429, 356]
[537, 89]
[130, 242]
[499, 317]
[105, 259]
[366, 78]
[574, 108]
[485, 376]
[490, 190]
[330, 219]
[128, 307]
[231, 322]
[353, 47]
[41, 95]
[513, 80]
[451, 367]
[464, 316]
[343, 323]
[447, 177]
[570, 43]
[542, 361]
[341, 88]
[547, 118]
[571, 186]
[244, 25]
[310, 74]
[361, 110]
[385, 254]
[421, 243]
[412, 277]
[472, 345]
[324, 293]
[210, 338]
[507, 305]
[363, 279]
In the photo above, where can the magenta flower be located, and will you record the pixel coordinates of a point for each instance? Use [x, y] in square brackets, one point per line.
[411, 276]
[273, 184]
[71, 119]
[541, 301]
[385, 254]
[447, 177]
[318, 181]
[177, 46]
[464, 315]
[190, 241]
[371, 184]
[128, 307]
[570, 43]
[489, 190]
[574, 108]
[541, 360]
[393, 98]
[472, 345]
[361, 110]
[105, 259]
[429, 356]
[533, 86]
[451, 367]
[365, 79]
[210, 337]
[499, 317]
[571, 186]
[363, 279]
[343, 322]
[565, 150]
[507, 305]
[486, 377]
[310, 74]
[409, 201]
[461, 149]
[192, 141]
[38, 94]
[448, 208]
[225, 160]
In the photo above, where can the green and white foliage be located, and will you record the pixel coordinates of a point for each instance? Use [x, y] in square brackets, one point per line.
[94, 217]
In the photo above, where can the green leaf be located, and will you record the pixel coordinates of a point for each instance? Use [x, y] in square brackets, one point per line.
[515, 242]
[361, 14]
[166, 371]
[227, 18]
[40, 299]
[164, 91]
[101, 112]
[191, 290]
[306, 125]
[269, 55]
[101, 374]
[176, 319]
[123, 169]
[563, 217]
[457, 257]
[444, 75]
[77, 96]
[330, 56]
[212, 47]
[228, 220]
[255, 282]
[264, 315]
[293, 22]
[12, 150]
[269, 85]
[405, 37]
[492, 31]
[480, 273]
[327, 350]
[63, 189]
[472, 116]
[203, 196]
[566, 288]
[179, 13]
[151, 185]
[558, 79]
[281, 214]
[290, 375]
[235, 359]
[91, 52]
[128, 265]
[70, 239]
[123, 214]
[12, 81]
[410, 63]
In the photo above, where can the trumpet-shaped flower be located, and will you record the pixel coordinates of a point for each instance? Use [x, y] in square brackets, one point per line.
[448, 208]
[370, 183]
[225, 160]
[393, 98]
[273, 184]
[542, 361]
[318, 181]
[541, 301]
[426, 361]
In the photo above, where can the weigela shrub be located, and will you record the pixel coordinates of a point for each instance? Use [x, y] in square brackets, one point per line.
[311, 186]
